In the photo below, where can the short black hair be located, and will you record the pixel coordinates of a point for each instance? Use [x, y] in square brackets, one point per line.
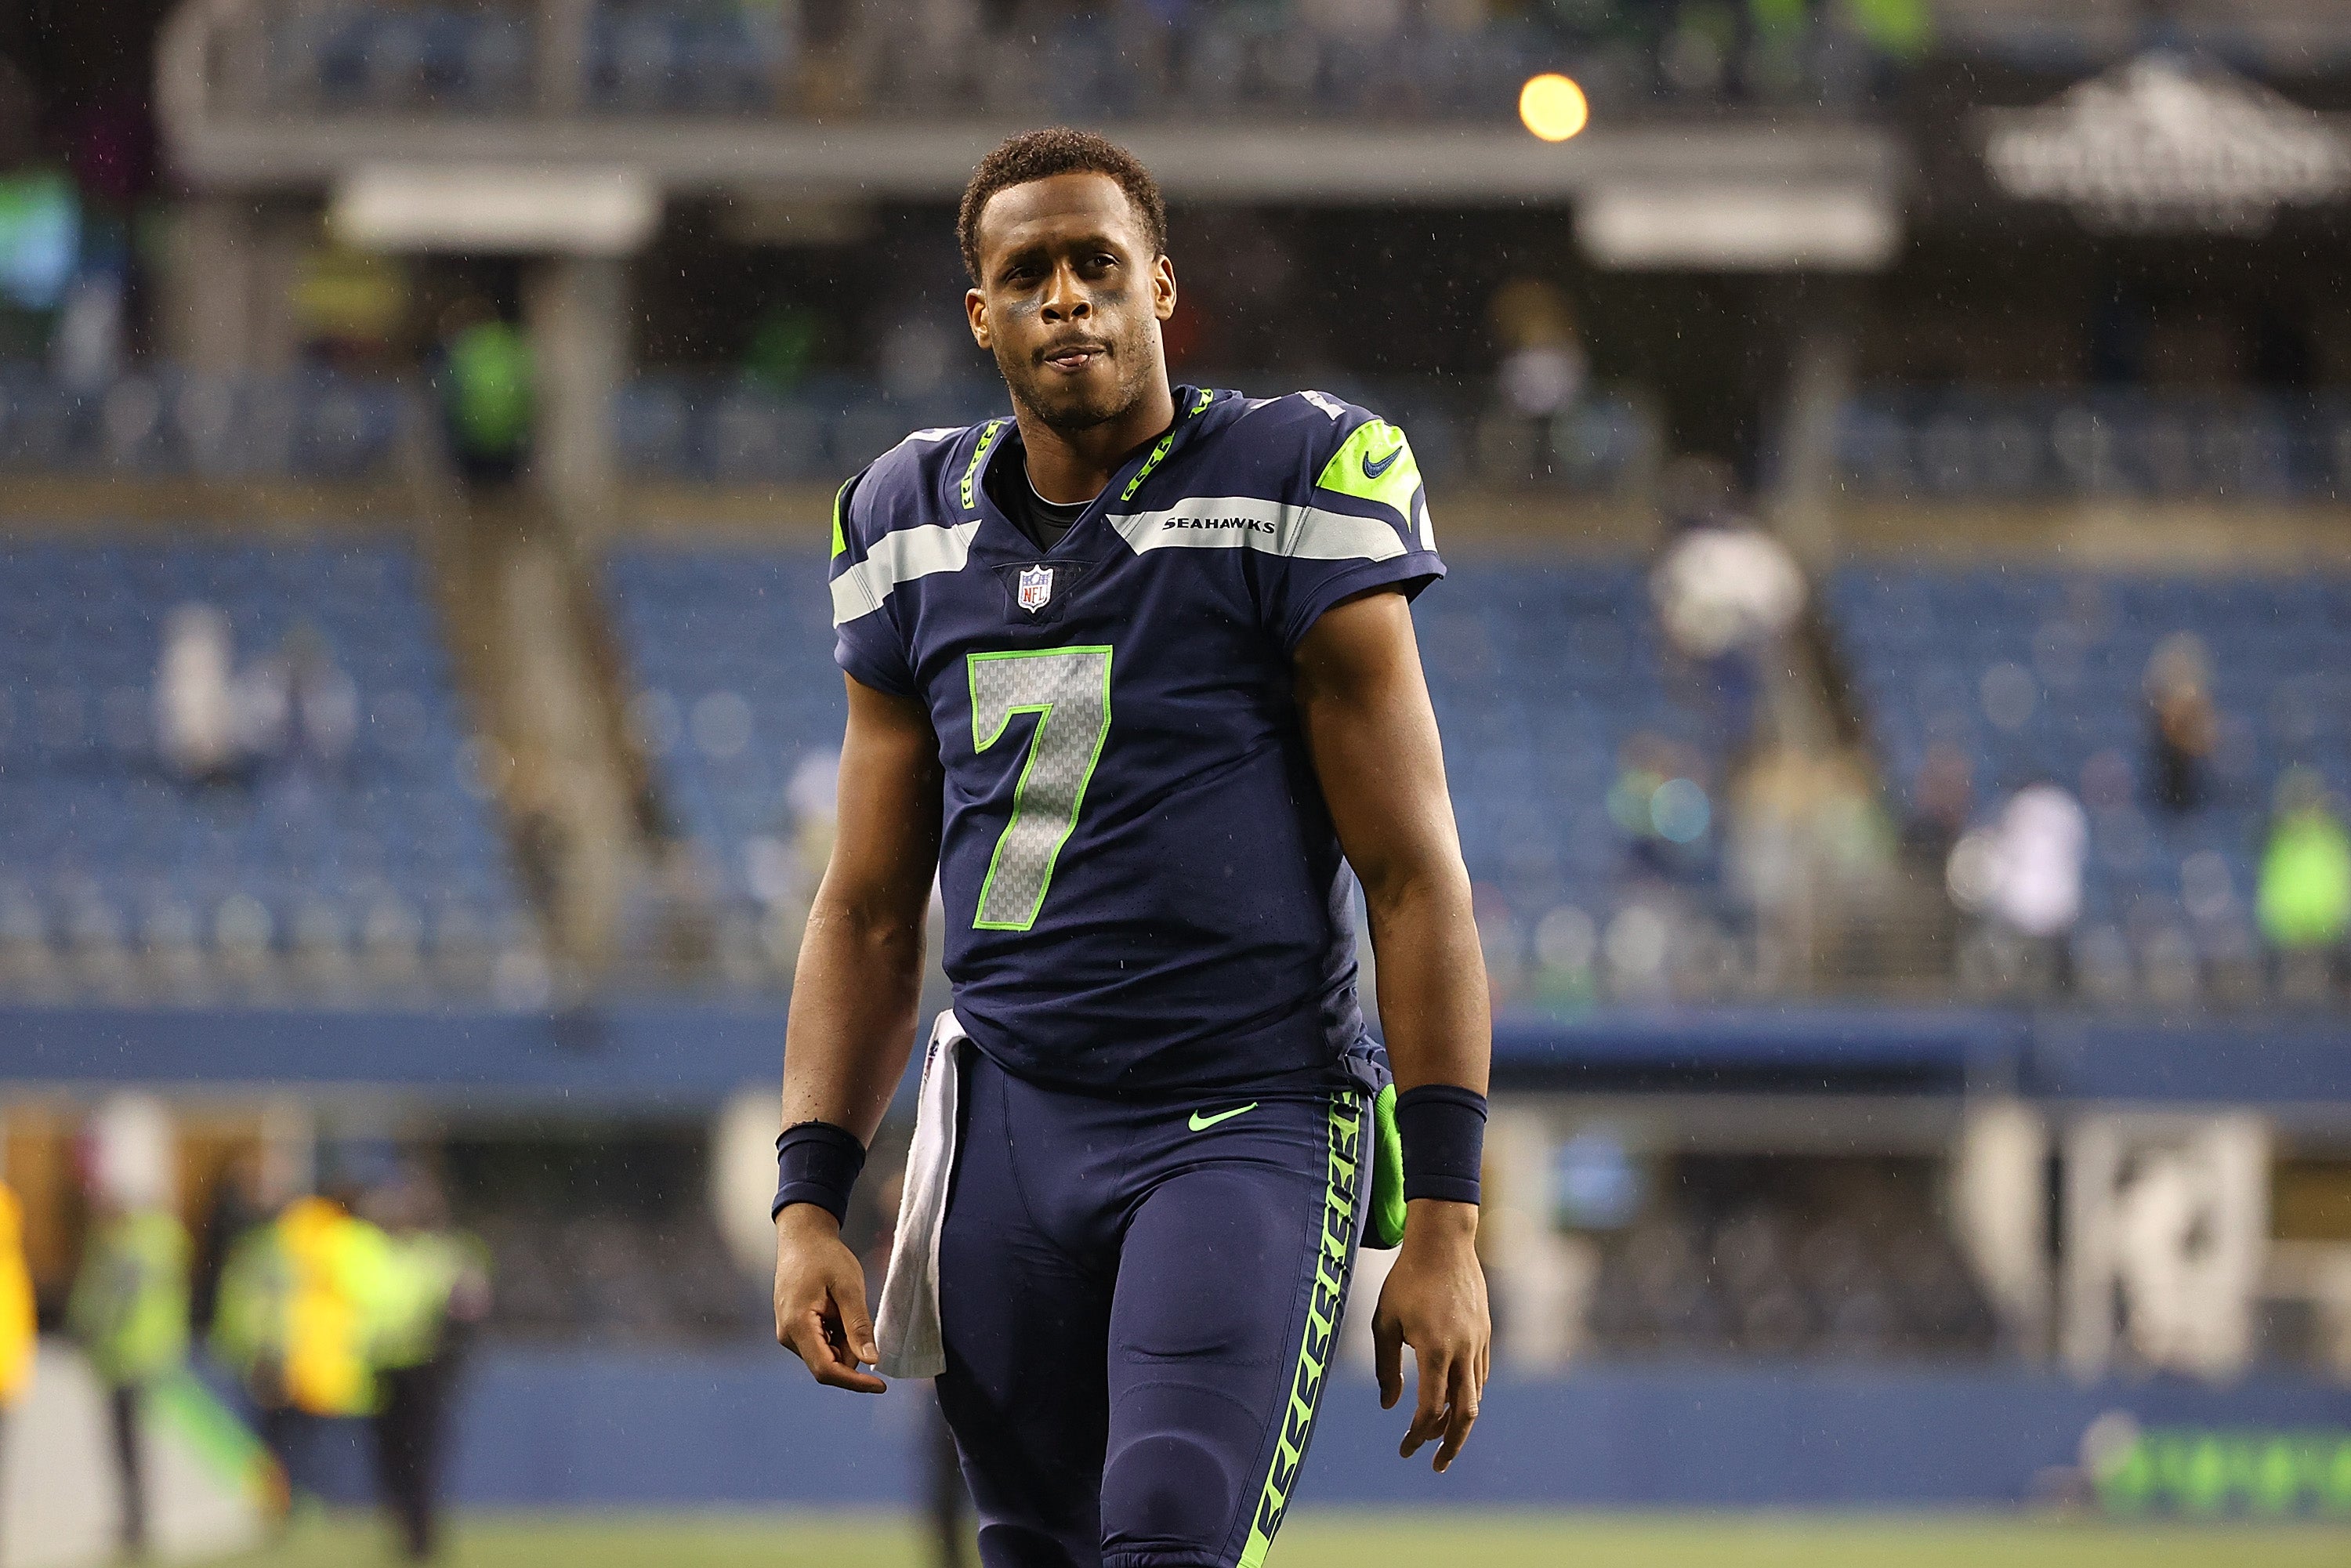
[1059, 150]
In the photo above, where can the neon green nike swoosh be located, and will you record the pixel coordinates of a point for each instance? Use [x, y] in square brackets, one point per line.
[1201, 1124]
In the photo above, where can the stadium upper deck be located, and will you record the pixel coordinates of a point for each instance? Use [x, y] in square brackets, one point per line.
[1087, 62]
[1095, 62]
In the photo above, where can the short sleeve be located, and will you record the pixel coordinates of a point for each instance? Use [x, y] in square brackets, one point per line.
[1365, 525]
[866, 640]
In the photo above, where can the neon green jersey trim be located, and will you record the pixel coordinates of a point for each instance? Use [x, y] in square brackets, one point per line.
[1166, 444]
[1347, 1122]
[841, 505]
[969, 490]
[1385, 1228]
[1375, 463]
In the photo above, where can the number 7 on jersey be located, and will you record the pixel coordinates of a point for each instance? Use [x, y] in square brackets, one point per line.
[1069, 691]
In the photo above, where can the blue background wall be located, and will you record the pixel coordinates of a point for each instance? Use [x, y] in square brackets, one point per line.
[747, 1428]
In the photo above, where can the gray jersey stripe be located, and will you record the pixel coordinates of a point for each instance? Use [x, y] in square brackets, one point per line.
[1272, 528]
[899, 555]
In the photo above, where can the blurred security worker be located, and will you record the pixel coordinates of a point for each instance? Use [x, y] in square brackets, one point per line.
[302, 1301]
[484, 382]
[16, 1323]
[129, 1312]
[436, 1289]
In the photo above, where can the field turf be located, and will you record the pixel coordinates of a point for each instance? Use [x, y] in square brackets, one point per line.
[1489, 1539]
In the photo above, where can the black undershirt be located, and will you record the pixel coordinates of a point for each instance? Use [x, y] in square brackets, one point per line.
[1016, 496]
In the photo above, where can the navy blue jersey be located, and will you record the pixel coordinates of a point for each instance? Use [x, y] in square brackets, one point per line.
[1144, 890]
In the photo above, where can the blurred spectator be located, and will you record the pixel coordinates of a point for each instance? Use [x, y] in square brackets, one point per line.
[1941, 797]
[261, 698]
[1661, 805]
[16, 1321]
[195, 709]
[1542, 369]
[1726, 586]
[240, 1201]
[129, 1312]
[300, 1305]
[2306, 882]
[349, 305]
[85, 351]
[783, 346]
[437, 1292]
[325, 715]
[2036, 871]
[484, 380]
[296, 705]
[2182, 725]
[1727, 593]
[541, 841]
[1901, 29]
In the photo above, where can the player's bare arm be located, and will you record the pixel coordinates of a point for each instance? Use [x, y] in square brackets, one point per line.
[1365, 710]
[853, 1010]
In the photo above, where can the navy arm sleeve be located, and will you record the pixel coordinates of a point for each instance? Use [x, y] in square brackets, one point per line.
[1364, 525]
[867, 641]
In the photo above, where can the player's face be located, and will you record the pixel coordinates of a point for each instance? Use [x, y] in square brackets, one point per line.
[1069, 299]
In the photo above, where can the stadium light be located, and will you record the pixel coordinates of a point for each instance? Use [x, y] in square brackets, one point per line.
[1553, 107]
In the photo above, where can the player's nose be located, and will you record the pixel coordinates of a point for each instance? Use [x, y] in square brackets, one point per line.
[1065, 295]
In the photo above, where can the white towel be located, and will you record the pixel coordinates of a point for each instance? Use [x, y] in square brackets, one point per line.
[908, 1322]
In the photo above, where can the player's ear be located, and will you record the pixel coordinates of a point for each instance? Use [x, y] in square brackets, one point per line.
[974, 309]
[1163, 288]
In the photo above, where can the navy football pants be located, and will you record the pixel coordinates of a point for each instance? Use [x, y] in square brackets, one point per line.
[1138, 1315]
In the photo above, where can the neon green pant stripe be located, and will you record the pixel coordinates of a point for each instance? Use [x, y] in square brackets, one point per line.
[1339, 1202]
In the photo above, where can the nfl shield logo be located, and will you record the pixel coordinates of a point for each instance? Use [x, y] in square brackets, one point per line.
[1036, 587]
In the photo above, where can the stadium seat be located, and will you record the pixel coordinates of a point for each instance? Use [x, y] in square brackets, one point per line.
[2037, 674]
[117, 873]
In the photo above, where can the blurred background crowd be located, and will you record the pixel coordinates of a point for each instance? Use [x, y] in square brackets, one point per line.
[1895, 669]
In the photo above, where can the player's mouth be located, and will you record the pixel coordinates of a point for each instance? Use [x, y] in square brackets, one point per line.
[1074, 359]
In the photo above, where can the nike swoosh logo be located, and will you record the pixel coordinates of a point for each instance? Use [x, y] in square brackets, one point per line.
[1373, 470]
[1201, 1124]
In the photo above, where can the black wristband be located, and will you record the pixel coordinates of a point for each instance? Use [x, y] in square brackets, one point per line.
[1443, 1129]
[817, 1163]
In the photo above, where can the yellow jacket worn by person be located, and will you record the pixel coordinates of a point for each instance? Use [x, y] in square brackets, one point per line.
[301, 1307]
[17, 1326]
[129, 1304]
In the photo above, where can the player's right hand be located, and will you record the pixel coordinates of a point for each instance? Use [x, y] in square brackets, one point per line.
[821, 1314]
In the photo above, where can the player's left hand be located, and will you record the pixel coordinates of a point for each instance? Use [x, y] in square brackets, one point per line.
[1435, 1300]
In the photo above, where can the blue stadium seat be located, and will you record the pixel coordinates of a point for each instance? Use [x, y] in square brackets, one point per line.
[102, 838]
[1922, 645]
